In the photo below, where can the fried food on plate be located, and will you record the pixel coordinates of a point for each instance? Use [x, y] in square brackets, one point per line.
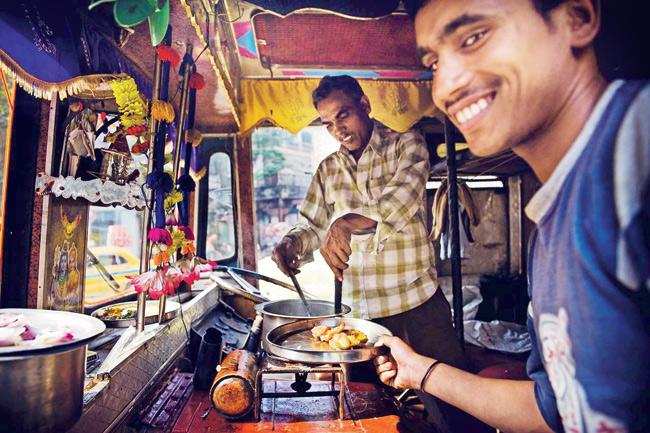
[317, 331]
[339, 338]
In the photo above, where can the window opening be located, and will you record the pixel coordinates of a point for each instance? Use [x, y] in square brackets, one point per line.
[220, 229]
[283, 166]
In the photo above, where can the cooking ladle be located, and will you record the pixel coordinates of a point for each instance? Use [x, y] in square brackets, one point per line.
[294, 280]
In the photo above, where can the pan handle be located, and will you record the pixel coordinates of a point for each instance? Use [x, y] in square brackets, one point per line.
[338, 294]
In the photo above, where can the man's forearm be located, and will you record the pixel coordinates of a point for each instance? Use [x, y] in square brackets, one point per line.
[357, 222]
[508, 405]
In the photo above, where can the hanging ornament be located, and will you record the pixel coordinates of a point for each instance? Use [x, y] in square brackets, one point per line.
[129, 13]
[162, 111]
[193, 137]
[197, 81]
[129, 103]
[168, 54]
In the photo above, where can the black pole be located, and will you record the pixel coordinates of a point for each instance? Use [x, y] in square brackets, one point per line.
[452, 200]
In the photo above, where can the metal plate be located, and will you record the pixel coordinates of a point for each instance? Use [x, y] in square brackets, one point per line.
[83, 328]
[150, 312]
[294, 342]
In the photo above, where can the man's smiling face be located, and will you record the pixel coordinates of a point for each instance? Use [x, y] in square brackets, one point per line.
[499, 68]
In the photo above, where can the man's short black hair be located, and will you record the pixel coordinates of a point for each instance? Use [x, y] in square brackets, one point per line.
[541, 6]
[330, 83]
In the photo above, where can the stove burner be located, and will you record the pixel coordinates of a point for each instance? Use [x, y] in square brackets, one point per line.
[275, 366]
[301, 385]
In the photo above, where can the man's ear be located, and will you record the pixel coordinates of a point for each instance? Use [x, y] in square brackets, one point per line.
[584, 21]
[365, 103]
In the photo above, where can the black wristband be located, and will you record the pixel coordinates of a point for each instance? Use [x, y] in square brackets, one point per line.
[428, 373]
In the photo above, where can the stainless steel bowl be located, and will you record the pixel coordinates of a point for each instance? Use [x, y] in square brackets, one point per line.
[276, 313]
[42, 385]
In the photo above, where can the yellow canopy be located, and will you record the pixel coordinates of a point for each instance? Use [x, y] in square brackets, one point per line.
[288, 104]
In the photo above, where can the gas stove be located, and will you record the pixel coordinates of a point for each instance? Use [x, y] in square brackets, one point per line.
[273, 368]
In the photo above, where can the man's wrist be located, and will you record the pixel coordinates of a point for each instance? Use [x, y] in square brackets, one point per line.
[297, 242]
[418, 367]
[427, 374]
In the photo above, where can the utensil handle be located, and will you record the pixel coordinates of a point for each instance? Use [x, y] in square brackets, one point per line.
[294, 280]
[338, 294]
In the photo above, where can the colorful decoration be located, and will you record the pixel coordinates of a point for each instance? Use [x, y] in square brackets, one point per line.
[168, 54]
[389, 74]
[162, 111]
[197, 81]
[245, 40]
[167, 276]
[396, 104]
[193, 136]
[130, 104]
[64, 263]
[172, 199]
[156, 283]
[129, 13]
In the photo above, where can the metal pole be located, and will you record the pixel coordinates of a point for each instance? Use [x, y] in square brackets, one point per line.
[452, 197]
[177, 151]
[182, 113]
[146, 220]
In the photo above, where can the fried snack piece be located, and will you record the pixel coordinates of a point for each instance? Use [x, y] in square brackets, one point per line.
[338, 338]
[340, 341]
[317, 331]
[319, 345]
[356, 337]
[327, 336]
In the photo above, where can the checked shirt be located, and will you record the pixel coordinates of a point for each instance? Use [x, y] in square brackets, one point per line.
[392, 269]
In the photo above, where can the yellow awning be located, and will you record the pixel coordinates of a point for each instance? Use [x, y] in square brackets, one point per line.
[287, 103]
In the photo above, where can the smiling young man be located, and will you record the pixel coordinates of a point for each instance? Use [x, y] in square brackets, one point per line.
[523, 75]
[365, 209]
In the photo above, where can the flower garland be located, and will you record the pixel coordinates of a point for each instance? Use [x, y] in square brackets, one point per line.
[130, 104]
[173, 240]
[167, 274]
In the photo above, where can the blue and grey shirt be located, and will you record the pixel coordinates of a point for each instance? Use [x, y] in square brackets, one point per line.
[589, 273]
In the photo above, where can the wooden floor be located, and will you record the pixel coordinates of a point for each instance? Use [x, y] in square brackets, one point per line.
[367, 410]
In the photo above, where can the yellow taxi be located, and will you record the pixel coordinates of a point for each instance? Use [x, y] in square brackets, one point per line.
[107, 269]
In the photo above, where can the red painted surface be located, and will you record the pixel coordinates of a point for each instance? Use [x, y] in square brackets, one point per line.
[371, 412]
[320, 41]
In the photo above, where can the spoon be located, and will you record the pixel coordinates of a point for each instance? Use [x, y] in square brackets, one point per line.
[294, 280]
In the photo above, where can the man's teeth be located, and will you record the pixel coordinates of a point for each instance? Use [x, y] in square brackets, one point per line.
[346, 138]
[469, 112]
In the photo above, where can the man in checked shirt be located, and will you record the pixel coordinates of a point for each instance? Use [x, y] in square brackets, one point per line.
[365, 210]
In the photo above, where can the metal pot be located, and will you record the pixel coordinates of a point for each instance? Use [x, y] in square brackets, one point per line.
[276, 313]
[42, 386]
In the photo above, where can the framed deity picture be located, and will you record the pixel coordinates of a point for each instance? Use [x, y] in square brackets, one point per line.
[63, 277]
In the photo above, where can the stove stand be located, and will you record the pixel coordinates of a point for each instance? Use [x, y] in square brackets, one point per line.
[274, 366]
